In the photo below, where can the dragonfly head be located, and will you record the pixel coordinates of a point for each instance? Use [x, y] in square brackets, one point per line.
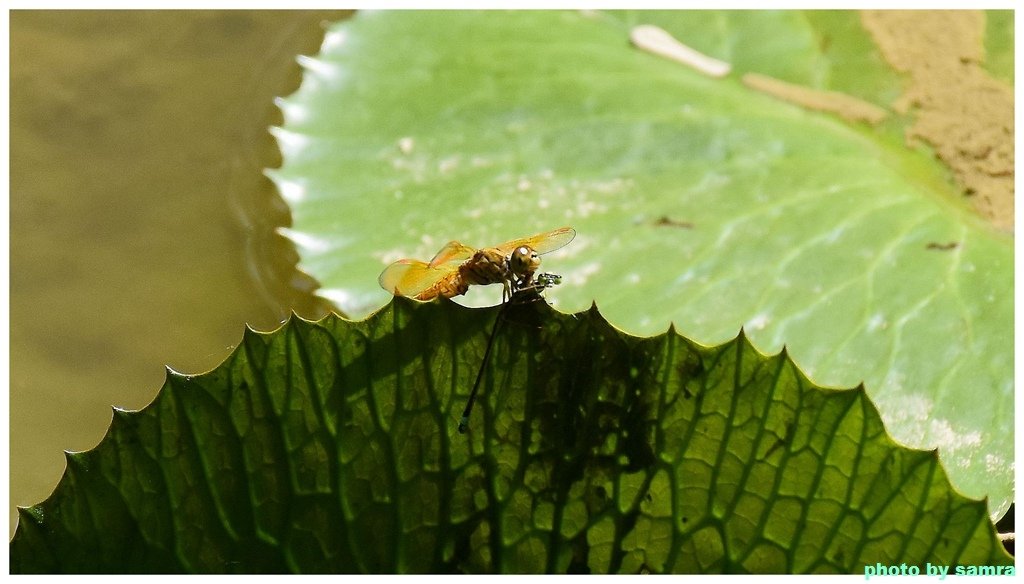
[523, 261]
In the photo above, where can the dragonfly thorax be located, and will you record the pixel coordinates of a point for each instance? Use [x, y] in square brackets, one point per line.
[487, 266]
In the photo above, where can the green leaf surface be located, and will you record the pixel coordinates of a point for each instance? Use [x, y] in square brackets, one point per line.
[999, 41]
[332, 447]
[697, 201]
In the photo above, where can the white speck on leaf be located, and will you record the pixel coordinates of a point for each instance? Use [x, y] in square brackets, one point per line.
[655, 40]
[877, 322]
[448, 164]
[758, 323]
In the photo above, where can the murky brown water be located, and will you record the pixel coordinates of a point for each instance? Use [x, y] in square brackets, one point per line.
[140, 221]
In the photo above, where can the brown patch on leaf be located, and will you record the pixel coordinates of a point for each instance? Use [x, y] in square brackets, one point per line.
[846, 106]
[964, 113]
[666, 221]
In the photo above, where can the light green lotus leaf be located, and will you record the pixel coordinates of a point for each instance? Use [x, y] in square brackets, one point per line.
[698, 201]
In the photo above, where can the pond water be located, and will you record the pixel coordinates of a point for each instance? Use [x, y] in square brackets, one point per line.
[141, 228]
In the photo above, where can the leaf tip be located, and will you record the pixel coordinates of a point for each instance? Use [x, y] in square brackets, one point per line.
[74, 460]
[172, 373]
[742, 336]
[31, 514]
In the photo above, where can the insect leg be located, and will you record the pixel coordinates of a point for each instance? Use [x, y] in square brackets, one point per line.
[464, 421]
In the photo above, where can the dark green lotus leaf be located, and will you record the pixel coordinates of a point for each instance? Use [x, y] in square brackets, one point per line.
[332, 447]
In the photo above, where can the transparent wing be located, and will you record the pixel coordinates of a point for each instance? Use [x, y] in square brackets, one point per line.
[541, 243]
[452, 252]
[411, 277]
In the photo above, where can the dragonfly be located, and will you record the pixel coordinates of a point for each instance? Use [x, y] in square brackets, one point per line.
[457, 266]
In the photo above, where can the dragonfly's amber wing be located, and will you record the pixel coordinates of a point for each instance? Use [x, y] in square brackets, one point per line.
[442, 276]
[541, 243]
[412, 277]
[453, 252]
